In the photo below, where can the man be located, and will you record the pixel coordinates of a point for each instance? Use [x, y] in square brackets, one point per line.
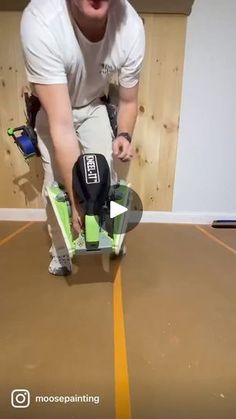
[71, 50]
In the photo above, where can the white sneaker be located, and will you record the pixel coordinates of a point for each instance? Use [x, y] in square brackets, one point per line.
[60, 265]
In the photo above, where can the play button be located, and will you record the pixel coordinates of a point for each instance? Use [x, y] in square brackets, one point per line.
[116, 209]
[125, 209]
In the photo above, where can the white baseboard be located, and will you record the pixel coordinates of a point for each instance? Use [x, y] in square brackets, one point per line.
[185, 217]
[21, 214]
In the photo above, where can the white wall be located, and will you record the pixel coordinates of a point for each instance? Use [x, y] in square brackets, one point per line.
[206, 160]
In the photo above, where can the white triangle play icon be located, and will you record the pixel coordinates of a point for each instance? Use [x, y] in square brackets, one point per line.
[116, 209]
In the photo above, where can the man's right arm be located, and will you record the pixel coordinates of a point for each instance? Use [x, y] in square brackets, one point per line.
[45, 68]
[56, 102]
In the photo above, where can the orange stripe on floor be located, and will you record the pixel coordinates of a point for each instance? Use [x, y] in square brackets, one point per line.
[122, 392]
[11, 236]
[212, 237]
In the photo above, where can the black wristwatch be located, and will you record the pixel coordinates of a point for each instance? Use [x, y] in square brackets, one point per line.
[125, 135]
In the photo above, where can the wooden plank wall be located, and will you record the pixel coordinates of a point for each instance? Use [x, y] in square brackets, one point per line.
[153, 171]
[156, 135]
[20, 182]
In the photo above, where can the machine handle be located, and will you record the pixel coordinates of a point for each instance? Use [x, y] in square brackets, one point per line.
[92, 231]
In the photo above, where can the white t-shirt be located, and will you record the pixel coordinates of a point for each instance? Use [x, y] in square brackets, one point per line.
[56, 53]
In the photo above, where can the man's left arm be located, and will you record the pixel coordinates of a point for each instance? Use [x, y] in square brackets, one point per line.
[128, 76]
[127, 115]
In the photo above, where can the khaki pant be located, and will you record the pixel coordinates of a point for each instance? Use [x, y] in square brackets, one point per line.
[95, 135]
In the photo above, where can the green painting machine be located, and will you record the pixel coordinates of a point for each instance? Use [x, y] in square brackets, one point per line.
[102, 233]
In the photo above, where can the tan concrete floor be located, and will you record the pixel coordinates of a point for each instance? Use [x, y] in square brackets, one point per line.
[179, 300]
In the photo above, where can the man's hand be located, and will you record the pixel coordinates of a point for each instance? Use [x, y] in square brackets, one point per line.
[122, 149]
[77, 222]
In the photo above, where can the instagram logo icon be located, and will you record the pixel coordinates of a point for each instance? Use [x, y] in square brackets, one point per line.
[20, 398]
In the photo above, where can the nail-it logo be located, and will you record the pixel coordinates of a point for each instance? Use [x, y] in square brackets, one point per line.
[20, 398]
